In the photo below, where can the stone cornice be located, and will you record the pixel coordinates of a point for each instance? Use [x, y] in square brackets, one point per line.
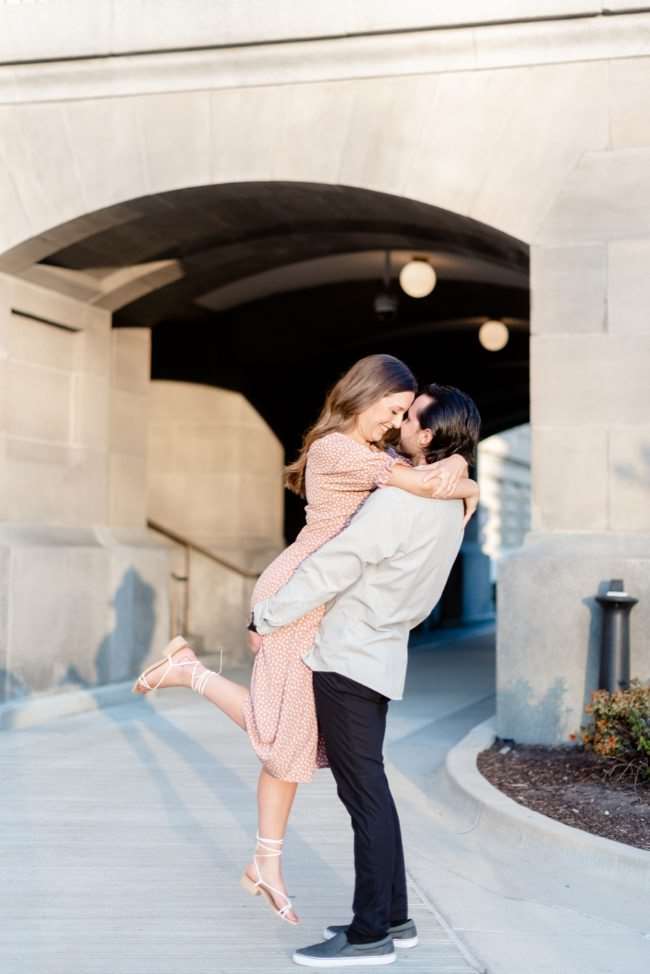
[347, 58]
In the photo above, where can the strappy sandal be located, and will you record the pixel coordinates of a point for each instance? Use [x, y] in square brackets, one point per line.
[255, 888]
[199, 680]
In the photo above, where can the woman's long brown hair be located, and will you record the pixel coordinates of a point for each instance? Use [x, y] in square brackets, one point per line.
[369, 380]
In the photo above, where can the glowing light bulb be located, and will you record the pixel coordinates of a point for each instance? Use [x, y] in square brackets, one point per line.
[417, 278]
[493, 335]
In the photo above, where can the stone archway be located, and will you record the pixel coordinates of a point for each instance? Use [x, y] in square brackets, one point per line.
[503, 146]
[223, 278]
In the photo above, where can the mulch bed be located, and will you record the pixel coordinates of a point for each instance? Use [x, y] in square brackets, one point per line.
[570, 785]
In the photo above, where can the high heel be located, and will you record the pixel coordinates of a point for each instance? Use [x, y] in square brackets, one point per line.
[255, 888]
[199, 680]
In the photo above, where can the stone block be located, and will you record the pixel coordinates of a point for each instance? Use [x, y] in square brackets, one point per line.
[128, 490]
[568, 289]
[102, 611]
[36, 145]
[38, 402]
[70, 28]
[279, 115]
[605, 197]
[129, 412]
[219, 607]
[44, 302]
[595, 380]
[629, 479]
[169, 401]
[95, 349]
[49, 483]
[263, 452]
[106, 139]
[261, 507]
[333, 107]
[14, 225]
[89, 411]
[208, 448]
[549, 629]
[167, 497]
[40, 344]
[131, 354]
[530, 152]
[212, 511]
[57, 644]
[172, 119]
[629, 83]
[570, 479]
[628, 299]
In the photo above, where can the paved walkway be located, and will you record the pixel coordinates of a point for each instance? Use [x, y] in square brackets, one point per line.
[521, 909]
[124, 832]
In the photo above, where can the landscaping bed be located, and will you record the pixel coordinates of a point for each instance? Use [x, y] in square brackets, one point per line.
[573, 786]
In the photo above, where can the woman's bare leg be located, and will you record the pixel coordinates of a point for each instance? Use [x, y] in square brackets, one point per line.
[225, 694]
[228, 696]
[274, 802]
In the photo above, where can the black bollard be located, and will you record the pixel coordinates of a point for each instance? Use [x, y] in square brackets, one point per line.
[615, 646]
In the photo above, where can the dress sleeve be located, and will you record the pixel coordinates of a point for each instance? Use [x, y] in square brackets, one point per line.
[349, 466]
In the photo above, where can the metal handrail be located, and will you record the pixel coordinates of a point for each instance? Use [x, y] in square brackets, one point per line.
[179, 539]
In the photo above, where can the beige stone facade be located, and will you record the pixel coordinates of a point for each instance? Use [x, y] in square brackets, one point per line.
[538, 128]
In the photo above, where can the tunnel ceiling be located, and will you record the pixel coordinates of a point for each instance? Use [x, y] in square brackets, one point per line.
[269, 288]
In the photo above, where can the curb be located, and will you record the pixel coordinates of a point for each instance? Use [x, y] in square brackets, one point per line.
[30, 711]
[503, 823]
[39, 709]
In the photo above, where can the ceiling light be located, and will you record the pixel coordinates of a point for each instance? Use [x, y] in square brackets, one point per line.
[493, 335]
[417, 278]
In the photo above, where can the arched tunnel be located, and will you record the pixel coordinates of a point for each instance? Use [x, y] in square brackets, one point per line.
[269, 289]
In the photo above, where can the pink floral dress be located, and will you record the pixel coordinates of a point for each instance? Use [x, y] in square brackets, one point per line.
[280, 713]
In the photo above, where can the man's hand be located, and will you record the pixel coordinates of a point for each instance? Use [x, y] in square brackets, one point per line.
[254, 641]
[444, 475]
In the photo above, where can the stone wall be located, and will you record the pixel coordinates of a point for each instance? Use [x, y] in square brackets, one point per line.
[84, 586]
[215, 479]
[590, 410]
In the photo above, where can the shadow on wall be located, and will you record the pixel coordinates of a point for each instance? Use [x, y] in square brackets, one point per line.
[627, 471]
[12, 687]
[121, 653]
[543, 718]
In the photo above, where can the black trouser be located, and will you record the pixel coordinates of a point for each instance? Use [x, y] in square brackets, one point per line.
[352, 721]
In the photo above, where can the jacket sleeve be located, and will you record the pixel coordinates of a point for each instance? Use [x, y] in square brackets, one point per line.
[375, 533]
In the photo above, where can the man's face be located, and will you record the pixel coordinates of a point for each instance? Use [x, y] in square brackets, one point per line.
[412, 438]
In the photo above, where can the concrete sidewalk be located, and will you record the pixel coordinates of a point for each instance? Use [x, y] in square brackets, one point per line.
[519, 906]
[125, 830]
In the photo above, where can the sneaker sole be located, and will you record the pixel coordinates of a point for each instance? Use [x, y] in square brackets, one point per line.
[406, 943]
[344, 961]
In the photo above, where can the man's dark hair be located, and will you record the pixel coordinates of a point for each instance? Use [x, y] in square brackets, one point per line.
[454, 421]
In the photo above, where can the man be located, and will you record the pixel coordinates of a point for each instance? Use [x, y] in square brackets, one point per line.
[382, 575]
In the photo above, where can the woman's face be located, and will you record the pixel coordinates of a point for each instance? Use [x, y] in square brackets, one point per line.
[387, 413]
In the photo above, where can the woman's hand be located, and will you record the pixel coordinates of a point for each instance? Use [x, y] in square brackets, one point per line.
[254, 641]
[444, 475]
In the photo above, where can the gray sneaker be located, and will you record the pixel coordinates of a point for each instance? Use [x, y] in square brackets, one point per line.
[405, 935]
[337, 952]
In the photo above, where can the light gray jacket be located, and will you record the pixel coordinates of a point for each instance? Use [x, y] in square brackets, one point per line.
[381, 576]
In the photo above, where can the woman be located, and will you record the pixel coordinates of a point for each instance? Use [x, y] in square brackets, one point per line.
[341, 462]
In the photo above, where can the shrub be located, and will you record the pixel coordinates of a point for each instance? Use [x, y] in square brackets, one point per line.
[620, 731]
